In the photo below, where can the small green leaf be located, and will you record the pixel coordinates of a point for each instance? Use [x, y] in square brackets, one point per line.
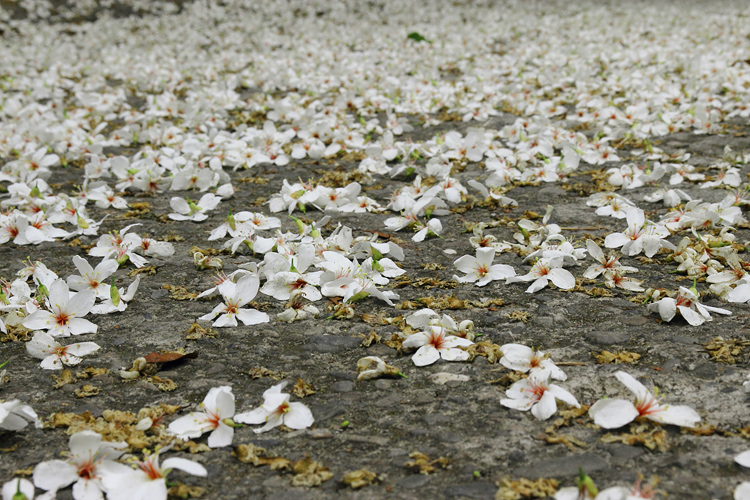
[357, 297]
[417, 37]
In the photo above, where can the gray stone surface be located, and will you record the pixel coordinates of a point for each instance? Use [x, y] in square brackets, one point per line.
[566, 466]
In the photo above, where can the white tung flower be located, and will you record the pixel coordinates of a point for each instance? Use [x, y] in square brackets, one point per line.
[614, 413]
[480, 270]
[686, 303]
[218, 410]
[54, 355]
[435, 343]
[276, 410]
[535, 393]
[544, 271]
[524, 359]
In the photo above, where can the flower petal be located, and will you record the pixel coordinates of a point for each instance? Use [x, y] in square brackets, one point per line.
[743, 459]
[684, 416]
[425, 355]
[638, 389]
[256, 416]
[221, 436]
[299, 416]
[54, 474]
[185, 465]
[612, 413]
[545, 407]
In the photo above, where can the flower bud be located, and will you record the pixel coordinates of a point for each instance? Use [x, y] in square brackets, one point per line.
[81, 221]
[114, 294]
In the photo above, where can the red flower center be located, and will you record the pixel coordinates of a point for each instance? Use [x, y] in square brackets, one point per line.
[62, 318]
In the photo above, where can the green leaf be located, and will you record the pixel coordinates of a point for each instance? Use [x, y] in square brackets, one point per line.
[357, 297]
[417, 37]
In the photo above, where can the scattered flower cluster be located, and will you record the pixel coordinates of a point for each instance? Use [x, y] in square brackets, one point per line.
[361, 100]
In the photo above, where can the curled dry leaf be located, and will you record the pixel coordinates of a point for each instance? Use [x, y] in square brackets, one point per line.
[196, 332]
[606, 357]
[526, 488]
[521, 316]
[86, 391]
[654, 438]
[372, 337]
[568, 418]
[308, 472]
[359, 478]
[262, 371]
[209, 251]
[726, 351]
[181, 490]
[568, 441]
[395, 341]
[421, 463]
[164, 384]
[179, 293]
[116, 425]
[251, 454]
[485, 348]
[90, 372]
[302, 388]
[66, 377]
[379, 319]
[147, 270]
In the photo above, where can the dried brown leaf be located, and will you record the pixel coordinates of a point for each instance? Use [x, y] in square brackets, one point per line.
[652, 437]
[359, 478]
[726, 351]
[164, 384]
[86, 391]
[526, 488]
[426, 283]
[567, 418]
[252, 180]
[179, 292]
[147, 270]
[521, 316]
[196, 332]
[421, 463]
[90, 371]
[485, 348]
[607, 357]
[397, 338]
[66, 377]
[309, 473]
[210, 251]
[261, 372]
[302, 388]
[372, 337]
[191, 447]
[568, 441]
[184, 491]
[16, 333]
